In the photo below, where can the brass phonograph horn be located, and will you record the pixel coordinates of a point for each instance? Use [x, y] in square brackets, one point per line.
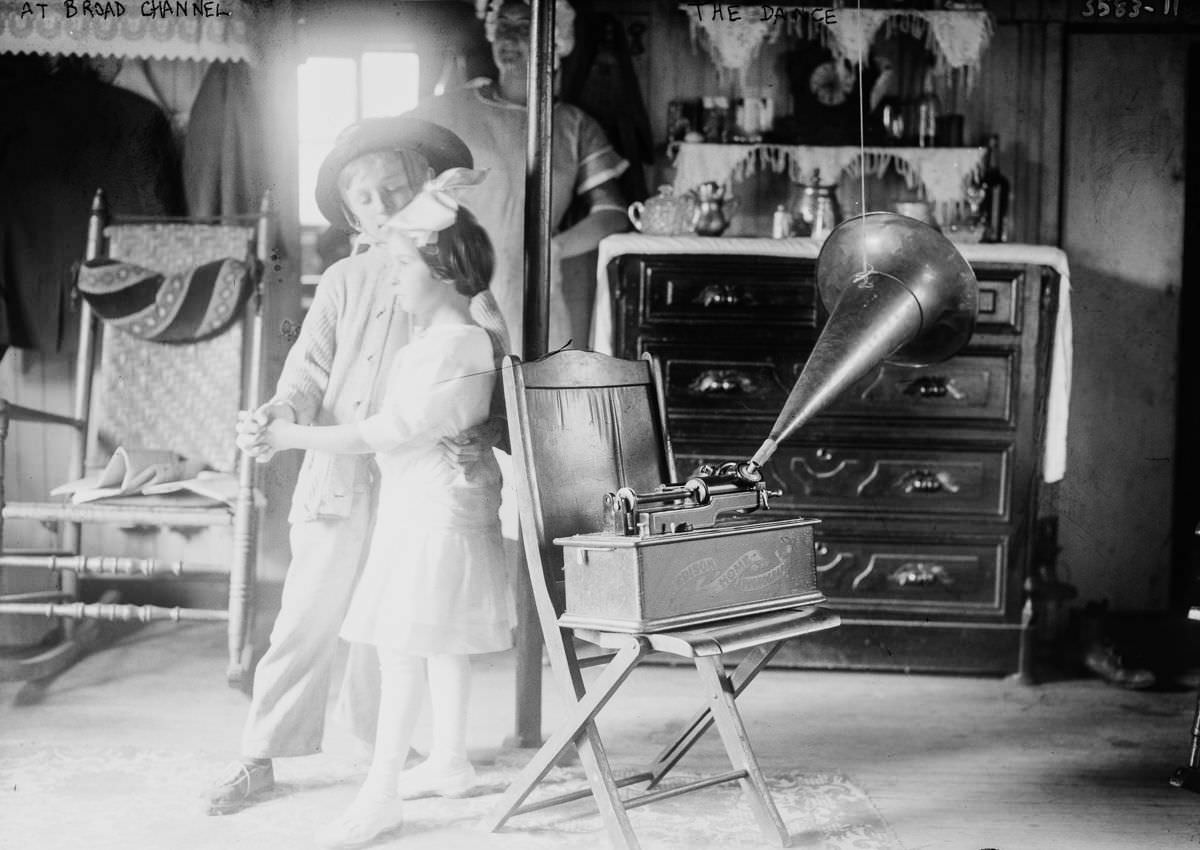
[897, 290]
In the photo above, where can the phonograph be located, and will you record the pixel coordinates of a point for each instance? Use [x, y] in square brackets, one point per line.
[706, 548]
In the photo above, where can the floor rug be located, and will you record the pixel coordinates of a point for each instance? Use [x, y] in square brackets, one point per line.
[135, 799]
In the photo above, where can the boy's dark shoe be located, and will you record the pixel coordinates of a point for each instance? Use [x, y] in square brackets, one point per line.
[1108, 665]
[239, 785]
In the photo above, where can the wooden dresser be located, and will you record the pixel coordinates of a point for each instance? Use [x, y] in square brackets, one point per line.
[925, 479]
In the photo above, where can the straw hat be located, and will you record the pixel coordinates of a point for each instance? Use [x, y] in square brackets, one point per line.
[442, 148]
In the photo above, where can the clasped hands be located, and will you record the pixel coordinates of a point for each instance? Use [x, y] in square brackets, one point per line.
[258, 430]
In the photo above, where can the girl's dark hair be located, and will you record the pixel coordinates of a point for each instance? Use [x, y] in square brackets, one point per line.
[462, 254]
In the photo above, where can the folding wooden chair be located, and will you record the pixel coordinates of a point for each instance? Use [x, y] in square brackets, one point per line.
[180, 397]
[582, 424]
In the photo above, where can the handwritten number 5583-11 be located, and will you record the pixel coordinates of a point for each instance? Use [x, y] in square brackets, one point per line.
[1116, 9]
[1127, 8]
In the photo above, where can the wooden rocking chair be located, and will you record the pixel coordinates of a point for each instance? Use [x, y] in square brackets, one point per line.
[582, 424]
[182, 397]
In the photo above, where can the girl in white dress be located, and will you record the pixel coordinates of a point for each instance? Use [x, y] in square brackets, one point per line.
[434, 588]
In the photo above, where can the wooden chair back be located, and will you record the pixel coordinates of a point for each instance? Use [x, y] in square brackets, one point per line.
[178, 396]
[581, 424]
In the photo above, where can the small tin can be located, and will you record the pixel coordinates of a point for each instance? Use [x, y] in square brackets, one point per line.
[781, 223]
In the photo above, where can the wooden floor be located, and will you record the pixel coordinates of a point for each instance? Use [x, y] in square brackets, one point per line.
[953, 763]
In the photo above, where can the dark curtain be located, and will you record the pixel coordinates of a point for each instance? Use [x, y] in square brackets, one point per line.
[223, 148]
[600, 79]
[65, 135]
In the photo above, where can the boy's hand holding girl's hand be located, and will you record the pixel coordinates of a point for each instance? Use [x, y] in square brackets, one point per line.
[259, 431]
[465, 449]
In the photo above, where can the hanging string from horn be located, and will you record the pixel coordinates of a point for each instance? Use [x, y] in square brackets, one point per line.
[862, 147]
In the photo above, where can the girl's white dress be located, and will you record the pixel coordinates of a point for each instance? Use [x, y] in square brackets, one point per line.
[435, 579]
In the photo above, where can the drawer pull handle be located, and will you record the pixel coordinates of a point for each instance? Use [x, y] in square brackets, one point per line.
[933, 386]
[801, 464]
[927, 481]
[724, 382]
[821, 550]
[920, 574]
[723, 295]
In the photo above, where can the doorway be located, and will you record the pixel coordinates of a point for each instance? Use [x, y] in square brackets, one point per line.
[1123, 231]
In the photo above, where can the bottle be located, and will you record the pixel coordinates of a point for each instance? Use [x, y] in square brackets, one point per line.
[781, 223]
[928, 110]
[996, 191]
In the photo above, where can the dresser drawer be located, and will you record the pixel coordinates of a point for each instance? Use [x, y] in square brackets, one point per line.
[975, 387]
[756, 381]
[913, 575]
[868, 478]
[732, 293]
[742, 380]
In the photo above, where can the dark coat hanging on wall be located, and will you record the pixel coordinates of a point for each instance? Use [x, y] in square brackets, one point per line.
[600, 79]
[63, 137]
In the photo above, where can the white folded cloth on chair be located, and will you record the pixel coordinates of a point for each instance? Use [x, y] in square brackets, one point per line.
[131, 471]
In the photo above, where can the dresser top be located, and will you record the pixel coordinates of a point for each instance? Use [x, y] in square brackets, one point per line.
[803, 247]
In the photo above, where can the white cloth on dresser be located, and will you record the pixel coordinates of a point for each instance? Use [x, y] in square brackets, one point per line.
[435, 579]
[1054, 457]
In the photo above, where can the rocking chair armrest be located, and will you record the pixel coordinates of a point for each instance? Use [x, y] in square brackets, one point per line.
[10, 412]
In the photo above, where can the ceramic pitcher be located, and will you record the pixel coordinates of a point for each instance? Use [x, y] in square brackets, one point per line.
[664, 214]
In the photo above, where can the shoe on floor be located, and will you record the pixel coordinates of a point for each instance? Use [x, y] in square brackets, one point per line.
[241, 782]
[1108, 665]
[430, 779]
[368, 817]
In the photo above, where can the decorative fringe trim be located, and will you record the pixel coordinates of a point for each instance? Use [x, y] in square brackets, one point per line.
[957, 39]
[733, 46]
[941, 174]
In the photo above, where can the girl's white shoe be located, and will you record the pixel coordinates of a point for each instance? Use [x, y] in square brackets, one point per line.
[429, 778]
[369, 816]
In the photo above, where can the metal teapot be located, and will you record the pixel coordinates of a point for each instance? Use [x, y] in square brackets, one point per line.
[664, 214]
[710, 217]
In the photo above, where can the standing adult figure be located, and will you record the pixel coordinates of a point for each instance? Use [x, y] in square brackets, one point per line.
[492, 117]
[334, 375]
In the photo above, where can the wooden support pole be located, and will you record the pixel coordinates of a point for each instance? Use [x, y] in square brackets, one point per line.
[540, 91]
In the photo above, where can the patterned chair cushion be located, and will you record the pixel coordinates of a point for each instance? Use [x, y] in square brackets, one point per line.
[177, 307]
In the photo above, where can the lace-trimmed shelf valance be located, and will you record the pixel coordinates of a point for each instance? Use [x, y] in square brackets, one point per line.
[956, 38]
[942, 172]
[201, 31]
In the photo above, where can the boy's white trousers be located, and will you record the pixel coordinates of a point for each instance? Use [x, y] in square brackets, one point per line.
[291, 682]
